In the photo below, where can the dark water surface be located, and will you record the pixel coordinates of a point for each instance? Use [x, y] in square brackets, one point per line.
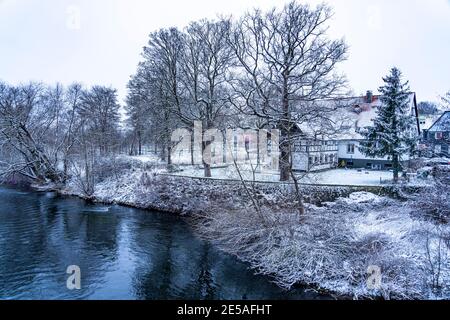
[123, 253]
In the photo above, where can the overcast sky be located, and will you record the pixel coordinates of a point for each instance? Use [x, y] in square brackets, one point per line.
[100, 41]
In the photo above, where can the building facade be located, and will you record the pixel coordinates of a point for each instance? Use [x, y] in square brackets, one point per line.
[365, 111]
[342, 148]
[437, 138]
[315, 155]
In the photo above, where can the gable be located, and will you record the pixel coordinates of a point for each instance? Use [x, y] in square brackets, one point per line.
[442, 124]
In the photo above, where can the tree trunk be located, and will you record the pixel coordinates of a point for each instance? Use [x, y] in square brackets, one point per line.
[192, 149]
[132, 149]
[285, 156]
[206, 145]
[169, 146]
[299, 195]
[42, 166]
[206, 164]
[139, 134]
[169, 155]
[163, 153]
[66, 168]
[396, 167]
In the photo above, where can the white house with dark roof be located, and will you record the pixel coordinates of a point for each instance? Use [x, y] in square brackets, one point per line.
[341, 147]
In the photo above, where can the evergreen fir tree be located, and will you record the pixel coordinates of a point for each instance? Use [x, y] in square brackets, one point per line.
[392, 133]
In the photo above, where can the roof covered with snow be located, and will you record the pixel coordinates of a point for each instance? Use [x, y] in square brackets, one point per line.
[344, 118]
[426, 121]
[442, 124]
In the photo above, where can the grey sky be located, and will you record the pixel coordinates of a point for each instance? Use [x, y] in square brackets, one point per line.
[44, 39]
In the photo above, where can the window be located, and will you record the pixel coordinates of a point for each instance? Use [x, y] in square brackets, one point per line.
[351, 148]
[311, 160]
[326, 158]
[438, 135]
[316, 160]
[437, 149]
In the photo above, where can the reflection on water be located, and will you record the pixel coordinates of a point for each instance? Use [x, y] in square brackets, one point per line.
[123, 253]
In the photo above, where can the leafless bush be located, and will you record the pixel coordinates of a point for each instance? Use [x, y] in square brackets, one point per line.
[323, 250]
[438, 254]
[113, 166]
[83, 179]
[434, 201]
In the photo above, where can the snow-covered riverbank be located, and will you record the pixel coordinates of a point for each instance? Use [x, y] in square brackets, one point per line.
[331, 248]
[335, 246]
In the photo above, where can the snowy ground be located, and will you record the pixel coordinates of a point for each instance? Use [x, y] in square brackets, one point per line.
[347, 177]
[147, 158]
[330, 177]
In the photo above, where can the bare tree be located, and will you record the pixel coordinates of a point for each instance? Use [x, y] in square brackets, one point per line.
[25, 122]
[184, 79]
[287, 65]
[446, 101]
[100, 113]
[149, 107]
[138, 115]
[206, 65]
[154, 90]
[72, 121]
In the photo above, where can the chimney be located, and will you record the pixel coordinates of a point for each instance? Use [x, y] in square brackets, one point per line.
[369, 96]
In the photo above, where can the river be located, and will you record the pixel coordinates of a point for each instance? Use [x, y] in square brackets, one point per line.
[122, 253]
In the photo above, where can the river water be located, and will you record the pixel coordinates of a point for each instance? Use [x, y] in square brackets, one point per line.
[122, 253]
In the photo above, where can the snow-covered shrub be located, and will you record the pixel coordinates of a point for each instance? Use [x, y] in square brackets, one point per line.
[82, 181]
[114, 166]
[437, 246]
[331, 247]
[434, 201]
